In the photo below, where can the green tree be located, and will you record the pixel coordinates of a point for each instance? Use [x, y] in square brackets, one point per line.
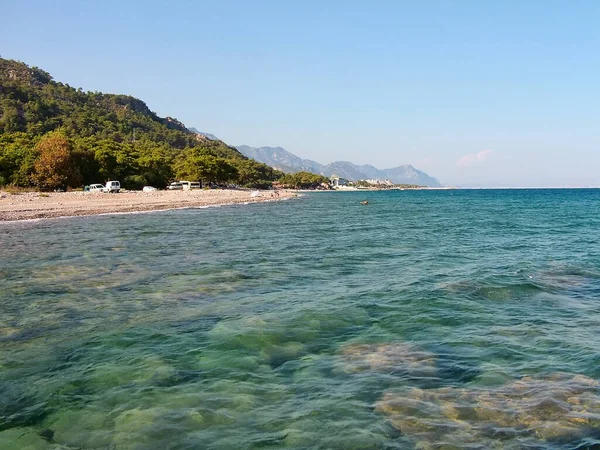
[205, 168]
[255, 174]
[303, 180]
[155, 164]
[17, 157]
[115, 160]
[10, 118]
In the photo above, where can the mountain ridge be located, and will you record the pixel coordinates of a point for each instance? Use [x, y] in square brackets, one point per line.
[283, 160]
[212, 137]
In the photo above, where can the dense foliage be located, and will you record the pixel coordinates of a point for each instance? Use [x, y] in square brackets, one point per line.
[95, 137]
[304, 180]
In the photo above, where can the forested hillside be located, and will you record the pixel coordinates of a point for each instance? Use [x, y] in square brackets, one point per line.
[55, 136]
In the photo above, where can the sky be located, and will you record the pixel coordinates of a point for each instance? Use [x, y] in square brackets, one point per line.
[475, 93]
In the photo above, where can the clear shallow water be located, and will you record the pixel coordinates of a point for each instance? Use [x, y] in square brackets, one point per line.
[427, 319]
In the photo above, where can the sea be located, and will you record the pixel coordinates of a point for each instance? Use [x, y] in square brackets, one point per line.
[429, 319]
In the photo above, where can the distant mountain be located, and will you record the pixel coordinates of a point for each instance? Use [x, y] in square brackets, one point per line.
[285, 161]
[281, 159]
[411, 175]
[212, 137]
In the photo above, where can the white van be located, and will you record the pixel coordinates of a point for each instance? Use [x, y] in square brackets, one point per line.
[96, 188]
[112, 186]
[175, 186]
[188, 185]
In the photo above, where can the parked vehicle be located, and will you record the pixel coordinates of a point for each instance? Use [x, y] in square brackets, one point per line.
[188, 185]
[112, 186]
[96, 188]
[148, 189]
[175, 186]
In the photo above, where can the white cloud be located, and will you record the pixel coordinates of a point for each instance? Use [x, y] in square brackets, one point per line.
[473, 159]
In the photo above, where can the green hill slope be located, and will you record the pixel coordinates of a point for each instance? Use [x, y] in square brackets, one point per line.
[103, 136]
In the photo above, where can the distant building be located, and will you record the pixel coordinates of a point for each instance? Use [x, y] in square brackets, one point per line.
[380, 182]
[337, 182]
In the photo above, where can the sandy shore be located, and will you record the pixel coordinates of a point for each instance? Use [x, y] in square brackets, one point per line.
[34, 205]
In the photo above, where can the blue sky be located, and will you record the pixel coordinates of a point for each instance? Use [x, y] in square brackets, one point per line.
[472, 92]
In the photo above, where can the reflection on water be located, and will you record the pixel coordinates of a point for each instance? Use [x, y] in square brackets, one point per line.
[427, 320]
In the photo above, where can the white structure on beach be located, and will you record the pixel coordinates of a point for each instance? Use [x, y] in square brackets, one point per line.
[337, 182]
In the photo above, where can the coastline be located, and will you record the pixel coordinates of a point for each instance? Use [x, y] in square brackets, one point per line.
[377, 189]
[38, 205]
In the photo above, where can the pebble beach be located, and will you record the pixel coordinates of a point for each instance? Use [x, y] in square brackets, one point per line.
[37, 205]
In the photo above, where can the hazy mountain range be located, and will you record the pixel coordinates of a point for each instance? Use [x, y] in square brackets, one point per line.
[285, 161]
[212, 137]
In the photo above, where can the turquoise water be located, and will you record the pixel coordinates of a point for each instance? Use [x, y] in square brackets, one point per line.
[427, 319]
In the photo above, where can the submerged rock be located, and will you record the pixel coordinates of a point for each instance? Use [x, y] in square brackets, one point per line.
[22, 438]
[83, 428]
[18, 408]
[277, 355]
[397, 357]
[137, 427]
[7, 332]
[557, 407]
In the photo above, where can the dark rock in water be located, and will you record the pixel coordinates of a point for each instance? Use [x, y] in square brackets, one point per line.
[591, 442]
[27, 334]
[462, 372]
[75, 392]
[588, 446]
[18, 409]
[289, 368]
[176, 377]
[278, 355]
[454, 368]
[197, 324]
[47, 434]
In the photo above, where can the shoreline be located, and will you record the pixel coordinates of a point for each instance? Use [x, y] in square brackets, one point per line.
[34, 206]
[451, 188]
[374, 189]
